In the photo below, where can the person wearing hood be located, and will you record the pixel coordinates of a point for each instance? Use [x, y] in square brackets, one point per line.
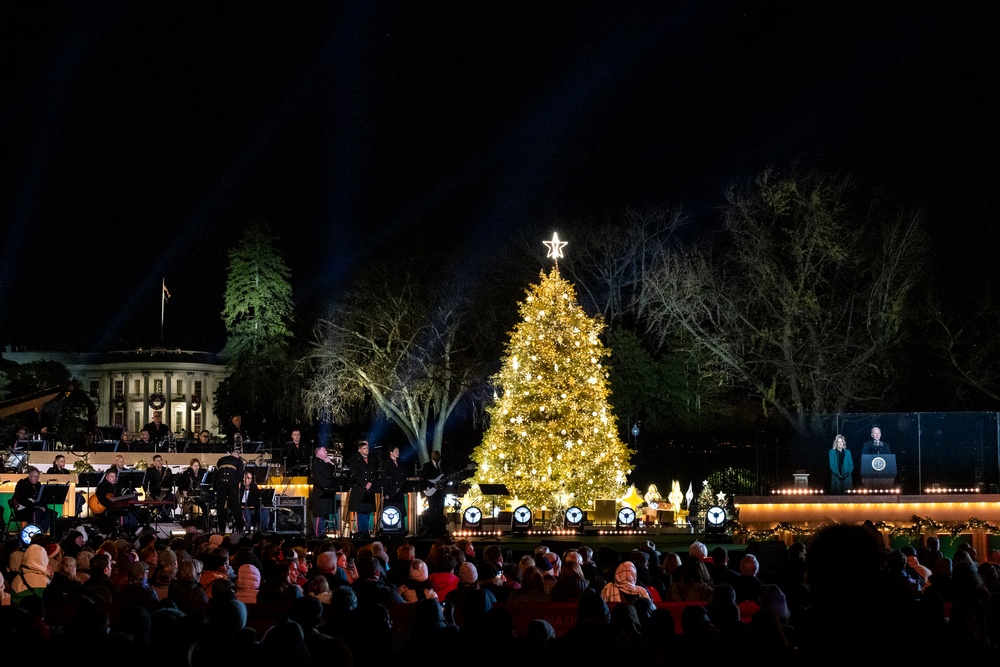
[32, 576]
[247, 583]
[624, 588]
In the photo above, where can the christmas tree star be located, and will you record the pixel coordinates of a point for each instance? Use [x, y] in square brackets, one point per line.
[555, 246]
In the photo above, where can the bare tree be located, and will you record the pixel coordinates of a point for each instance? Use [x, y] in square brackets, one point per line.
[967, 343]
[803, 302]
[401, 346]
[606, 261]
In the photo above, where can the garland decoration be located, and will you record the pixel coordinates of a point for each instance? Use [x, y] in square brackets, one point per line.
[919, 526]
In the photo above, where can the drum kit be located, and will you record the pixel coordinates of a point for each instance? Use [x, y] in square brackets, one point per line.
[16, 460]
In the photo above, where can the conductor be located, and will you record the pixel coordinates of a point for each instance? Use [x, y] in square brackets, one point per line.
[228, 475]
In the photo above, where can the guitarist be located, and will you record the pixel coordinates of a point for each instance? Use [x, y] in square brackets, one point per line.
[111, 515]
[432, 473]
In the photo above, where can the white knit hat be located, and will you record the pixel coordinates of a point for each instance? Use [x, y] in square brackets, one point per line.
[418, 570]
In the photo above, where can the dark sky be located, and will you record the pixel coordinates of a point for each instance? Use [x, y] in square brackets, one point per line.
[137, 143]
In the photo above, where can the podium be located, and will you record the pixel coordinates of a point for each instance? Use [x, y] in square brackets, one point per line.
[878, 471]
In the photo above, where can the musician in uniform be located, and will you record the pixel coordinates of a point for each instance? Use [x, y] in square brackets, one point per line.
[250, 501]
[157, 483]
[235, 435]
[432, 473]
[189, 489]
[58, 466]
[145, 443]
[125, 444]
[228, 474]
[26, 495]
[323, 499]
[364, 475]
[158, 431]
[119, 463]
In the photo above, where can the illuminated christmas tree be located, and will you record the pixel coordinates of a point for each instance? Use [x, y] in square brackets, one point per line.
[553, 435]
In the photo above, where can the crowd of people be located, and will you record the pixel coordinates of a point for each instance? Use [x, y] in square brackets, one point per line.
[192, 599]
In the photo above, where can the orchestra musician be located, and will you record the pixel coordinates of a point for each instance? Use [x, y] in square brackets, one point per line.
[323, 498]
[235, 435]
[157, 484]
[293, 454]
[189, 490]
[106, 504]
[58, 466]
[119, 463]
[125, 443]
[39, 421]
[250, 500]
[27, 493]
[158, 431]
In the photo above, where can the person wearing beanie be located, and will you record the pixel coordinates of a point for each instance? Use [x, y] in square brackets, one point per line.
[468, 582]
[417, 587]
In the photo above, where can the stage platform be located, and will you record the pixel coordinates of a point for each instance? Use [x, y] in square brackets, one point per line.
[974, 512]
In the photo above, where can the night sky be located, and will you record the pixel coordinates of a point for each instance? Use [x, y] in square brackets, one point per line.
[137, 143]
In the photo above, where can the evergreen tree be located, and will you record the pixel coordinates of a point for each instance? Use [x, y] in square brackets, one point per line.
[553, 435]
[258, 313]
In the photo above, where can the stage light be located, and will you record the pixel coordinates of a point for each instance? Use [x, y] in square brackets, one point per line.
[626, 517]
[573, 519]
[520, 520]
[390, 521]
[472, 518]
[28, 532]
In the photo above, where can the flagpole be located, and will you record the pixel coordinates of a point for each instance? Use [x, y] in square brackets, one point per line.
[163, 301]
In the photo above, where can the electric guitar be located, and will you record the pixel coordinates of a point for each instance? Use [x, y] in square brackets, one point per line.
[97, 508]
[442, 480]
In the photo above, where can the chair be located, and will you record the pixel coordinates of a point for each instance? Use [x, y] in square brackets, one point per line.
[11, 524]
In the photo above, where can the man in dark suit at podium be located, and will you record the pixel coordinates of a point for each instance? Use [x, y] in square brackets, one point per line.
[876, 447]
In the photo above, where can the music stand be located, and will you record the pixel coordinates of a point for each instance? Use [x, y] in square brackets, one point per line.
[494, 490]
[89, 479]
[131, 479]
[51, 495]
[266, 503]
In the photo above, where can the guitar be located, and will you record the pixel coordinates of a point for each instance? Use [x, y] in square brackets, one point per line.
[97, 508]
[442, 480]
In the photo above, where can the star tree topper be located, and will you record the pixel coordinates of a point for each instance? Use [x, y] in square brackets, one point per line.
[555, 246]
